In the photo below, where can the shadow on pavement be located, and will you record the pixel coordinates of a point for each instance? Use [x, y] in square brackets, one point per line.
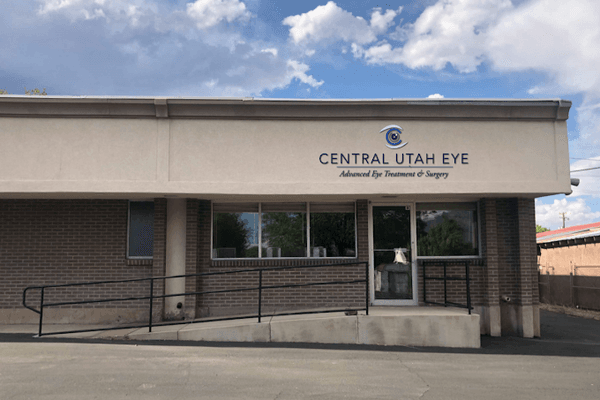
[562, 335]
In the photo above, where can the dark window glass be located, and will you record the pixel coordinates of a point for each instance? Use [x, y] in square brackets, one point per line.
[449, 229]
[141, 229]
[235, 235]
[332, 234]
[284, 230]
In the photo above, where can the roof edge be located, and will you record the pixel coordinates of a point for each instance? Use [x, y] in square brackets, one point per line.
[262, 108]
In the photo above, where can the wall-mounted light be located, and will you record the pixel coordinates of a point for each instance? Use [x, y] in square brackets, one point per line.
[575, 181]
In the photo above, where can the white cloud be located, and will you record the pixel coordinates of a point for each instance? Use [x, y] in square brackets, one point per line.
[145, 47]
[450, 31]
[298, 70]
[271, 50]
[332, 23]
[208, 13]
[558, 37]
[141, 13]
[578, 213]
[134, 12]
[435, 96]
[380, 23]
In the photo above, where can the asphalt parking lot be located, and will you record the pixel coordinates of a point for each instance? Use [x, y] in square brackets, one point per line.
[565, 363]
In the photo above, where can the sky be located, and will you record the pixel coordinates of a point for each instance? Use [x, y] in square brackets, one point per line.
[327, 50]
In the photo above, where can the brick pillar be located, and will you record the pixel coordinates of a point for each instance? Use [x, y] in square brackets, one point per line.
[204, 251]
[492, 315]
[362, 229]
[158, 259]
[191, 257]
[529, 318]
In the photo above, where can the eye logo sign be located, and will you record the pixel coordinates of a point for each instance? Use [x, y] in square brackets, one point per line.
[392, 136]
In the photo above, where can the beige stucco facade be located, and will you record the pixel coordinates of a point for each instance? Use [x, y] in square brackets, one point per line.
[469, 149]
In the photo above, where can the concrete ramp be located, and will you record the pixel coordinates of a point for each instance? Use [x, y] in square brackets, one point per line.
[386, 326]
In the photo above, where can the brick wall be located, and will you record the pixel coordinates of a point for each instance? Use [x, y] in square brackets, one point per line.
[489, 239]
[507, 212]
[45, 242]
[281, 299]
[62, 241]
[528, 253]
[456, 290]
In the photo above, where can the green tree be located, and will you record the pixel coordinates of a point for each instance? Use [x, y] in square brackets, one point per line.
[231, 231]
[32, 92]
[334, 231]
[286, 230]
[445, 239]
[539, 228]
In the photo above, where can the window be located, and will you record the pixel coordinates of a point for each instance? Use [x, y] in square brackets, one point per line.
[140, 241]
[332, 230]
[447, 229]
[235, 230]
[283, 230]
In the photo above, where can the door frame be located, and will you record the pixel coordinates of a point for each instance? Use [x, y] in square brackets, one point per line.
[413, 261]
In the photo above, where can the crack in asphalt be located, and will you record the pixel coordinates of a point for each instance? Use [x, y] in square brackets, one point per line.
[417, 375]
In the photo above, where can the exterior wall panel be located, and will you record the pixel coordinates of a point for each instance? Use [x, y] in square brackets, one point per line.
[48, 242]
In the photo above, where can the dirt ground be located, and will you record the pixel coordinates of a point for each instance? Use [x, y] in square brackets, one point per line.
[590, 314]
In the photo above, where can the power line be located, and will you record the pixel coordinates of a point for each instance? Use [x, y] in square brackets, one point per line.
[590, 159]
[587, 169]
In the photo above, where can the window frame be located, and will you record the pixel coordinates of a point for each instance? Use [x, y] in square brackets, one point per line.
[260, 257]
[127, 256]
[467, 257]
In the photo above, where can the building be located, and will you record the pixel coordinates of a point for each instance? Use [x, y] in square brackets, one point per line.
[569, 264]
[97, 188]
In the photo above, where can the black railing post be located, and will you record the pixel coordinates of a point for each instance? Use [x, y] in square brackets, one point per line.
[151, 303]
[41, 312]
[259, 294]
[367, 299]
[445, 287]
[468, 286]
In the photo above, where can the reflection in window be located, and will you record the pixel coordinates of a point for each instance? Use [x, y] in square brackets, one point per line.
[447, 229]
[235, 231]
[332, 230]
[284, 230]
[284, 234]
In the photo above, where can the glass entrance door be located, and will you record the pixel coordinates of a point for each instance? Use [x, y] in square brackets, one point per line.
[392, 255]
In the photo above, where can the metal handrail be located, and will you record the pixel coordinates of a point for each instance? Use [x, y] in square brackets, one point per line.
[152, 296]
[447, 278]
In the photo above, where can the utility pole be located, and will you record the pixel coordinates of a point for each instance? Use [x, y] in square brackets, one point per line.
[563, 215]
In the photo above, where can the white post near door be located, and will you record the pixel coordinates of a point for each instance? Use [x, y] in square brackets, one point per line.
[175, 257]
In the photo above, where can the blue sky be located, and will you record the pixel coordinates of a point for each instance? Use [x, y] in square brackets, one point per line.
[320, 49]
